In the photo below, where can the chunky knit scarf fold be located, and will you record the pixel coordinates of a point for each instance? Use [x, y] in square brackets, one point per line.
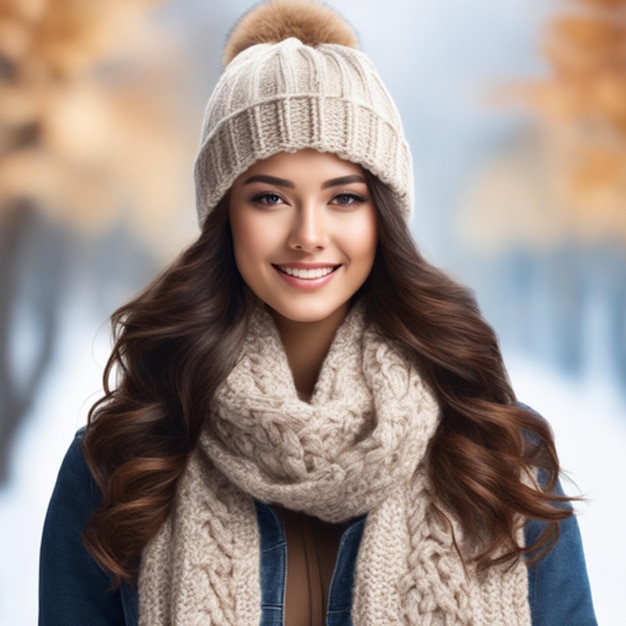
[359, 446]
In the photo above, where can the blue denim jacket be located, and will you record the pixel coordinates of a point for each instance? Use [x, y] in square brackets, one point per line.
[73, 590]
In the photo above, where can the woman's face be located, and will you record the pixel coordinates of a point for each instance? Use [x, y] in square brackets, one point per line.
[304, 233]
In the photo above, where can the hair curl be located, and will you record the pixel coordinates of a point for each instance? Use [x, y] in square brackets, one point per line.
[179, 339]
[488, 451]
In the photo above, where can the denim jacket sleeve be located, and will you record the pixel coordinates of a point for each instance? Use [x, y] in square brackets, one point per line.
[73, 589]
[558, 586]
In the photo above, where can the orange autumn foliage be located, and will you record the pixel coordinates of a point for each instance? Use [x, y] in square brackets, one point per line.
[580, 108]
[86, 122]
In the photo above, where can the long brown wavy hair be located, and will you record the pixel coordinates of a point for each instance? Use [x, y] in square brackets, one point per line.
[177, 340]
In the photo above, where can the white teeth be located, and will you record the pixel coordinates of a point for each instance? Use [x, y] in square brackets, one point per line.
[301, 273]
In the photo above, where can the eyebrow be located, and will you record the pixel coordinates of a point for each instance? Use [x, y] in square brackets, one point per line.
[270, 180]
[282, 182]
[343, 180]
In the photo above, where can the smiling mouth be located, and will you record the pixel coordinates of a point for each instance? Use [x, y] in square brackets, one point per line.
[307, 274]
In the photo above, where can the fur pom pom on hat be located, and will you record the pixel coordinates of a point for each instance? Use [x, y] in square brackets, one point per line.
[295, 79]
[273, 22]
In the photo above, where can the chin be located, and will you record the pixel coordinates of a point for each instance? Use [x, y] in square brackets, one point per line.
[308, 315]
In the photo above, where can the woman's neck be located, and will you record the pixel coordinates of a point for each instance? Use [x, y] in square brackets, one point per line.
[306, 346]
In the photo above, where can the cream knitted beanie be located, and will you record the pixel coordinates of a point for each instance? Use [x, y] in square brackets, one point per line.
[296, 83]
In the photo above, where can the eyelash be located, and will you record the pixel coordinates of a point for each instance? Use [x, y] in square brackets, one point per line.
[352, 196]
[260, 198]
[355, 198]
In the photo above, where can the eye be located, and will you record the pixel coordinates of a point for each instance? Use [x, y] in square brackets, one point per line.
[348, 199]
[268, 198]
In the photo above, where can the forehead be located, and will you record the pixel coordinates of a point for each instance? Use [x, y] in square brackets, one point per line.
[306, 164]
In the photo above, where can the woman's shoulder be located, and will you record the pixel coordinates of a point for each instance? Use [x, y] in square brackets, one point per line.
[75, 476]
[74, 458]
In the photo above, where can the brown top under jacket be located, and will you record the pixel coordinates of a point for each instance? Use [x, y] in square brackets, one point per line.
[312, 547]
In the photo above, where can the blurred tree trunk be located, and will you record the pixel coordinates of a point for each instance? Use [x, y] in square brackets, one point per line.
[32, 269]
[89, 120]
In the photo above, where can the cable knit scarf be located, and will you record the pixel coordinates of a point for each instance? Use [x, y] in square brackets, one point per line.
[358, 447]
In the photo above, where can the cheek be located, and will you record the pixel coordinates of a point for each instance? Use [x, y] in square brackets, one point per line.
[364, 240]
[249, 239]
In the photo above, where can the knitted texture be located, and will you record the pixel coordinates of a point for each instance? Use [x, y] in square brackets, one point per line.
[359, 446]
[289, 96]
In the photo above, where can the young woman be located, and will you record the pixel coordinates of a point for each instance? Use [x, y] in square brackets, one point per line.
[309, 424]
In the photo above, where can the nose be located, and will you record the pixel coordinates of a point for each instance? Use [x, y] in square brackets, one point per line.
[310, 231]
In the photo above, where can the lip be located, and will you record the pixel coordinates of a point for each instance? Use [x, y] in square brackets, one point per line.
[306, 284]
[306, 266]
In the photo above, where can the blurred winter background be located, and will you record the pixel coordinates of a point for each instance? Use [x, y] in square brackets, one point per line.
[516, 114]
